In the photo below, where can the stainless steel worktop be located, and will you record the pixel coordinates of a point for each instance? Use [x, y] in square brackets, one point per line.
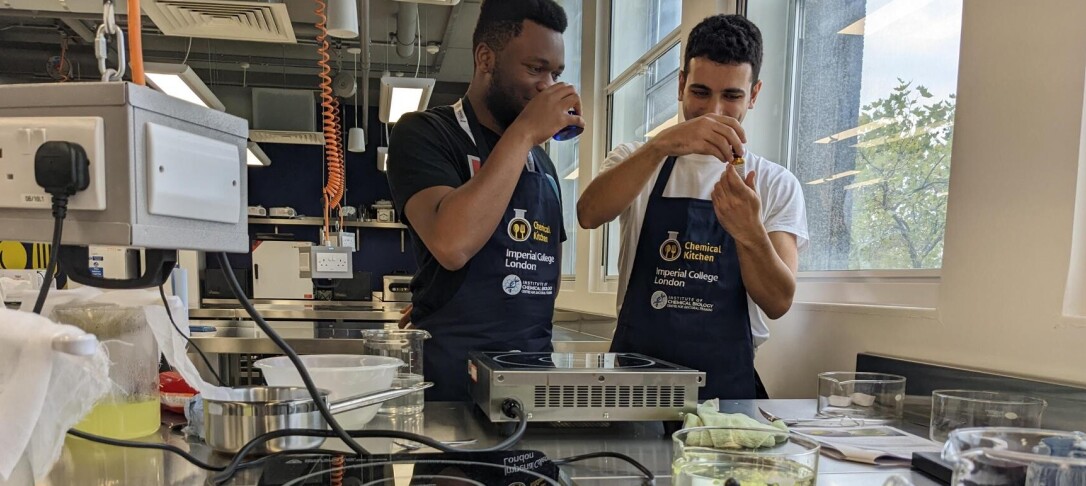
[231, 338]
[309, 310]
[86, 463]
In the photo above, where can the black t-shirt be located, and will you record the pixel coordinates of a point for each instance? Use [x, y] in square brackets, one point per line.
[428, 149]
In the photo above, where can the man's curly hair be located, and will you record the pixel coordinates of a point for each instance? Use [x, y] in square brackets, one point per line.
[501, 20]
[726, 39]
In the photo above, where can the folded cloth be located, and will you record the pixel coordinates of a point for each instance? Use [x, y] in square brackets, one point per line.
[43, 392]
[709, 415]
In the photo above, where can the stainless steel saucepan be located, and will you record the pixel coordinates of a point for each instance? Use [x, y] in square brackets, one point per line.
[230, 424]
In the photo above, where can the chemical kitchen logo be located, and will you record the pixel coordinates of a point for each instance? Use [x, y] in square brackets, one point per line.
[519, 229]
[670, 250]
[512, 284]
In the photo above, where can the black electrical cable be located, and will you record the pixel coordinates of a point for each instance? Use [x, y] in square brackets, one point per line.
[166, 304]
[649, 476]
[318, 400]
[190, 458]
[236, 464]
[510, 407]
[60, 210]
[522, 426]
[146, 445]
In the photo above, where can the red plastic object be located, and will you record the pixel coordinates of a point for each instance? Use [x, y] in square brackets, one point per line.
[174, 392]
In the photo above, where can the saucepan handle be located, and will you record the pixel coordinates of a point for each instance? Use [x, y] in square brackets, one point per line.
[366, 399]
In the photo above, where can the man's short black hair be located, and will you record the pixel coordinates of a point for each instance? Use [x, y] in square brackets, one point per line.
[726, 39]
[501, 20]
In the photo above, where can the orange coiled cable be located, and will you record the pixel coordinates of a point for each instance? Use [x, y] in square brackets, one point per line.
[333, 150]
[336, 476]
[337, 204]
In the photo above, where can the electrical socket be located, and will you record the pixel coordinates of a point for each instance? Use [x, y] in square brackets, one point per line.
[333, 262]
[326, 262]
[20, 138]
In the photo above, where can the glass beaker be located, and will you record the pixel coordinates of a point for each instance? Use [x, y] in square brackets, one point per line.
[861, 395]
[1010, 456]
[131, 408]
[959, 409]
[717, 456]
[405, 344]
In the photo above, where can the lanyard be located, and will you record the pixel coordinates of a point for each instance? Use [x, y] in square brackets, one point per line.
[465, 117]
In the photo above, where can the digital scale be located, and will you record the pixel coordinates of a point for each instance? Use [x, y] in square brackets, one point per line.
[583, 387]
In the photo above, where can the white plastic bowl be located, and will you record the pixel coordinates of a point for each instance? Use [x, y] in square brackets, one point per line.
[343, 375]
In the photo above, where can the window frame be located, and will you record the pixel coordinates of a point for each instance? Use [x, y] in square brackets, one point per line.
[833, 285]
[639, 67]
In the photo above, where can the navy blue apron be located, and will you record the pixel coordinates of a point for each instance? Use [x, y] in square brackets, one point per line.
[685, 300]
[507, 299]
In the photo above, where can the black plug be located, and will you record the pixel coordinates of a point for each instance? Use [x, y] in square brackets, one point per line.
[62, 169]
[510, 408]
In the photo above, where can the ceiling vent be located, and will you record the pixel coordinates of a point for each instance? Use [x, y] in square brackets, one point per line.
[257, 21]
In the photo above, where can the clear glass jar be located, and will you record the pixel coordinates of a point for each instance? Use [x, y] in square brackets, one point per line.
[717, 456]
[131, 408]
[960, 409]
[861, 395]
[1010, 456]
[405, 344]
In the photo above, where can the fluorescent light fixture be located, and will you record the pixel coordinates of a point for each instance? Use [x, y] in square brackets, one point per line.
[180, 81]
[855, 132]
[255, 156]
[670, 122]
[573, 175]
[868, 182]
[834, 177]
[884, 16]
[403, 95]
[382, 159]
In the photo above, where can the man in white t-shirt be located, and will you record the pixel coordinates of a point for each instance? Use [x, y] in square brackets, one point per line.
[705, 249]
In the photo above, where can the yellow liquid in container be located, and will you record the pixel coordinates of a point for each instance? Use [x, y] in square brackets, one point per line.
[122, 420]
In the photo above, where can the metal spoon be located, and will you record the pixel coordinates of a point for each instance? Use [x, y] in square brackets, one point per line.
[414, 446]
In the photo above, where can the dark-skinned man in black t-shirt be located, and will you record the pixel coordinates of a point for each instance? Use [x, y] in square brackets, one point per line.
[481, 198]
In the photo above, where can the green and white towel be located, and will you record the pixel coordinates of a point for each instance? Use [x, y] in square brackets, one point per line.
[709, 415]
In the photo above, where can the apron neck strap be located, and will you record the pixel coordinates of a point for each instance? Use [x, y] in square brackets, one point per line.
[662, 178]
[469, 123]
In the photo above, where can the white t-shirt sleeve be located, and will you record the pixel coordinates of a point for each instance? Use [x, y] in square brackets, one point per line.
[619, 155]
[785, 209]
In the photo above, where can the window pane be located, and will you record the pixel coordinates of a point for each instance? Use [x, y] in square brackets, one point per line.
[646, 101]
[565, 154]
[636, 108]
[874, 122]
[614, 238]
[637, 26]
